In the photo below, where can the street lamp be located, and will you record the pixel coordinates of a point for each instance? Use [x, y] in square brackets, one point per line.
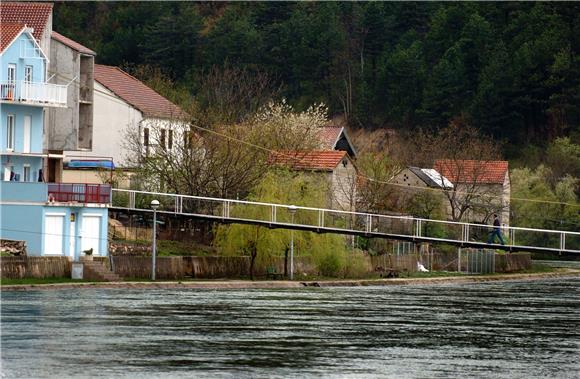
[292, 209]
[154, 206]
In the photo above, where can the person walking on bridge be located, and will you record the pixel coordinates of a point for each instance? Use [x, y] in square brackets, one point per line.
[496, 231]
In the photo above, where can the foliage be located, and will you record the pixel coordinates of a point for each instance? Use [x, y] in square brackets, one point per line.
[512, 68]
[260, 243]
[535, 185]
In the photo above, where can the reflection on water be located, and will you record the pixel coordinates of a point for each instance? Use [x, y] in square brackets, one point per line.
[511, 329]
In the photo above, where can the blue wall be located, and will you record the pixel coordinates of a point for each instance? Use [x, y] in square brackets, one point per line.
[36, 122]
[22, 223]
[23, 192]
[26, 223]
[13, 55]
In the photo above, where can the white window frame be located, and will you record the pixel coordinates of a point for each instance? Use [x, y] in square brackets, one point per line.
[11, 78]
[28, 73]
[10, 132]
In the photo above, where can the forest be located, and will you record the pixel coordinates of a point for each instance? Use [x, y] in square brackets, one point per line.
[511, 69]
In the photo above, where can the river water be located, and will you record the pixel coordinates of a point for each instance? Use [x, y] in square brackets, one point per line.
[527, 329]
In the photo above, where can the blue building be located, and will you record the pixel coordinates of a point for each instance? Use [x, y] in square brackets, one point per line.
[55, 219]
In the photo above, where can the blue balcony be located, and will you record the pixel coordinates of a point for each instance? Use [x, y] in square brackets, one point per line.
[22, 192]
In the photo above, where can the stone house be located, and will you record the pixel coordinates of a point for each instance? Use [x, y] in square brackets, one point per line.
[487, 183]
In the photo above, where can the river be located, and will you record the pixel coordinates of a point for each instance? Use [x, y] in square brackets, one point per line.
[520, 329]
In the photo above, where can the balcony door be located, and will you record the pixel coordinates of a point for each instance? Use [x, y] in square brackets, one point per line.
[27, 126]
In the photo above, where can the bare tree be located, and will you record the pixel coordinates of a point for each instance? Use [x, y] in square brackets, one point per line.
[463, 155]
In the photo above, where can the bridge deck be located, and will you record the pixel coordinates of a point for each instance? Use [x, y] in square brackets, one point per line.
[322, 220]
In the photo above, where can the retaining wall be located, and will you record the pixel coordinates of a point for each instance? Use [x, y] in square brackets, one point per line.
[35, 267]
[167, 268]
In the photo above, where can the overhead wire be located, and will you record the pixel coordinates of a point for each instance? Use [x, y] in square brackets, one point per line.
[360, 175]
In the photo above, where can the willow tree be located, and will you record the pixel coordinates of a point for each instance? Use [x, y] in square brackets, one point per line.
[262, 244]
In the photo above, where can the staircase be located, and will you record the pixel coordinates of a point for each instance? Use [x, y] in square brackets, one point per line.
[97, 271]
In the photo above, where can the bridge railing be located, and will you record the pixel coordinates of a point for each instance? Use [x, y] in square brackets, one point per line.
[358, 222]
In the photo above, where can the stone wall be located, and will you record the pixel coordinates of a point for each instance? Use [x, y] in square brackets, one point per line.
[35, 267]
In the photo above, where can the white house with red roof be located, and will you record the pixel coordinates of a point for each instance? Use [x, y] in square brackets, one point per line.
[335, 165]
[488, 182]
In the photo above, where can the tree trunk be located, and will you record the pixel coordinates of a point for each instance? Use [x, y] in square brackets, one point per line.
[252, 261]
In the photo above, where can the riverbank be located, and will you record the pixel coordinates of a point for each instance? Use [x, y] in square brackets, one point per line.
[272, 284]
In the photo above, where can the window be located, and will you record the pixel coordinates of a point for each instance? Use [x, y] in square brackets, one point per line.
[162, 139]
[11, 73]
[170, 140]
[28, 74]
[10, 132]
[26, 176]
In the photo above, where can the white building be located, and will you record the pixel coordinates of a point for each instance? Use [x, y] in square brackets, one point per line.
[124, 108]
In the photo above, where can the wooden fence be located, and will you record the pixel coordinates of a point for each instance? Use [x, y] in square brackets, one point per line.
[34, 267]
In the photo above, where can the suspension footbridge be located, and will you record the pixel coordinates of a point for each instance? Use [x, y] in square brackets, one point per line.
[321, 220]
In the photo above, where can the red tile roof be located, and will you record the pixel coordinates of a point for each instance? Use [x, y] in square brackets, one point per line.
[308, 160]
[34, 15]
[72, 44]
[135, 93]
[329, 135]
[8, 32]
[470, 171]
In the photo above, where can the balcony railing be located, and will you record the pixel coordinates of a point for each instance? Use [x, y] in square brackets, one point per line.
[79, 193]
[42, 94]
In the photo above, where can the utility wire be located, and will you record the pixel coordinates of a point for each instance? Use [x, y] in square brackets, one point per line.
[303, 160]
[360, 175]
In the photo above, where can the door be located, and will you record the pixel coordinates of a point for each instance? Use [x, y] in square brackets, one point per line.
[27, 126]
[72, 235]
[26, 174]
[8, 91]
[91, 233]
[53, 234]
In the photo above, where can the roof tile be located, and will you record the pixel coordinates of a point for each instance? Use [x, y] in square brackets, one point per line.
[34, 15]
[329, 135]
[308, 160]
[134, 92]
[8, 32]
[72, 44]
[469, 171]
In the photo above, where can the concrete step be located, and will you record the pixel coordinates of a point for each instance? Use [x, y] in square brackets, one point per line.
[94, 270]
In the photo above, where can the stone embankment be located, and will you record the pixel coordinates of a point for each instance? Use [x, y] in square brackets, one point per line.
[272, 284]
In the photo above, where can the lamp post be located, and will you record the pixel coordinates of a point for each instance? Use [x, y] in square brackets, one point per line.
[292, 209]
[154, 206]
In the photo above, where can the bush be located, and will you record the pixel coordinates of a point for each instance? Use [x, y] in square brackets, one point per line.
[330, 263]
